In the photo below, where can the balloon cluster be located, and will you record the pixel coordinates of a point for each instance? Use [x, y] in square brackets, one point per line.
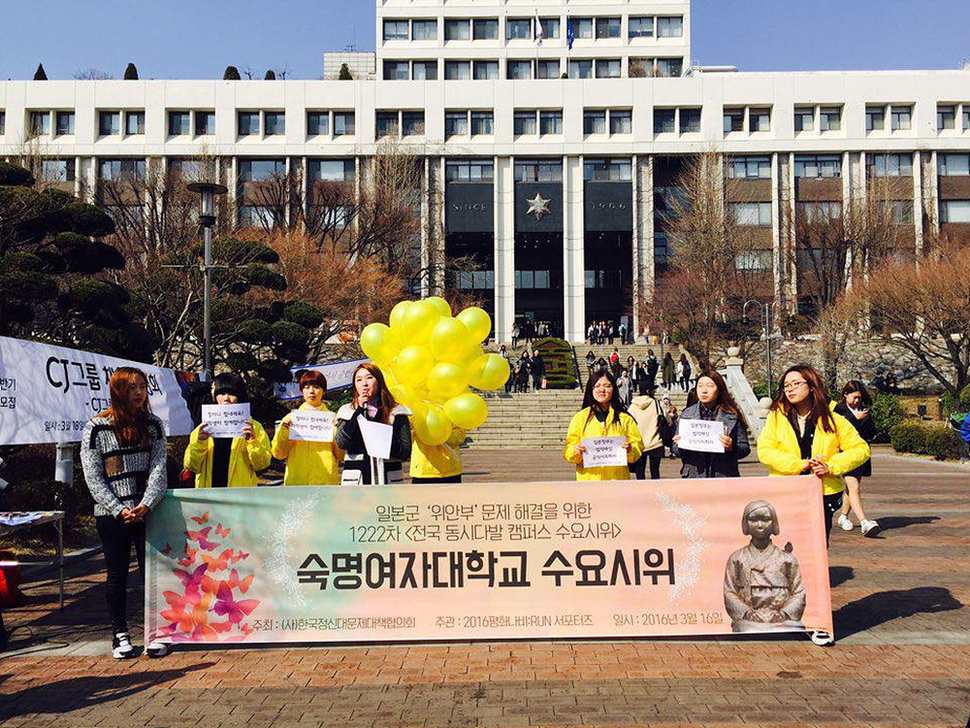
[430, 359]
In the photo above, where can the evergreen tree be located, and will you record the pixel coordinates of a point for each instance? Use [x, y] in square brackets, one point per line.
[270, 75]
[231, 74]
[131, 73]
[345, 74]
[40, 74]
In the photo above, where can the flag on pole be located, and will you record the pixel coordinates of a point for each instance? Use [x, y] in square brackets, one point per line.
[570, 35]
[540, 34]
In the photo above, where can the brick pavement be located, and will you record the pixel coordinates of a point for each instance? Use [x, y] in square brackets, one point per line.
[903, 657]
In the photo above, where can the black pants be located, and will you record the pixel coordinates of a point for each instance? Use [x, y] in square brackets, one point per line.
[639, 468]
[429, 481]
[830, 505]
[117, 538]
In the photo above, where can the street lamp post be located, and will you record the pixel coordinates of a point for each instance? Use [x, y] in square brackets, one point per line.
[207, 218]
[767, 327]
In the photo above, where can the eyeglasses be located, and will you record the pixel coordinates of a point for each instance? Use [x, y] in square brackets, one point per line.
[789, 386]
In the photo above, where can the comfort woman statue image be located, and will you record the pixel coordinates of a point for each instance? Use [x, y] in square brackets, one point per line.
[763, 588]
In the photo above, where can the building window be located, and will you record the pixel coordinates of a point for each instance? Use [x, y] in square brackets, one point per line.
[134, 123]
[3, 123]
[412, 123]
[670, 67]
[395, 70]
[456, 123]
[759, 119]
[954, 165]
[524, 123]
[485, 29]
[275, 123]
[387, 124]
[875, 118]
[344, 123]
[472, 170]
[550, 122]
[457, 30]
[178, 123]
[955, 211]
[520, 70]
[581, 69]
[486, 70]
[538, 170]
[594, 121]
[256, 216]
[890, 165]
[819, 213]
[483, 123]
[583, 27]
[457, 70]
[547, 69]
[395, 30]
[607, 27]
[749, 168]
[550, 27]
[830, 118]
[608, 68]
[424, 30]
[607, 170]
[754, 260]
[621, 121]
[518, 29]
[65, 123]
[248, 122]
[672, 27]
[804, 118]
[424, 70]
[331, 170]
[205, 123]
[109, 123]
[318, 123]
[751, 213]
[664, 121]
[40, 122]
[946, 118]
[899, 211]
[690, 121]
[57, 170]
[818, 167]
[641, 28]
[114, 170]
[901, 118]
[966, 117]
[733, 120]
[257, 170]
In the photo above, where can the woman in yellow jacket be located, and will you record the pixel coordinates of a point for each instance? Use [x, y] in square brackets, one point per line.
[308, 463]
[602, 415]
[220, 462]
[437, 463]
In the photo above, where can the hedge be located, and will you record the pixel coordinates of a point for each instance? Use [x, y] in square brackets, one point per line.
[558, 357]
[939, 441]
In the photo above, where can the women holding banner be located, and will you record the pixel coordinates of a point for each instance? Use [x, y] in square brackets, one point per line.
[308, 462]
[854, 406]
[372, 402]
[714, 404]
[221, 462]
[602, 415]
[123, 456]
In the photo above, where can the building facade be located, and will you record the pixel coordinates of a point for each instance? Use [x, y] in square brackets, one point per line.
[546, 163]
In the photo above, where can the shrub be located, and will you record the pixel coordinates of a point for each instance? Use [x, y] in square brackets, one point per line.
[886, 413]
[942, 443]
[131, 73]
[909, 437]
[231, 74]
[40, 74]
[345, 74]
[558, 356]
[960, 403]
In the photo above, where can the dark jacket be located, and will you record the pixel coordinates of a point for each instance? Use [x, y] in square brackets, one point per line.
[867, 431]
[715, 465]
[349, 439]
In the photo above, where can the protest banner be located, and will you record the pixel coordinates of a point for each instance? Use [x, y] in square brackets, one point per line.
[225, 420]
[701, 435]
[311, 426]
[604, 452]
[517, 560]
[48, 393]
[339, 376]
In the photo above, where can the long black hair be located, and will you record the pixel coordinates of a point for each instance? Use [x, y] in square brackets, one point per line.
[616, 404]
[230, 383]
[854, 385]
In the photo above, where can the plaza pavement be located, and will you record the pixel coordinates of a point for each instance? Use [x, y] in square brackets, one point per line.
[902, 658]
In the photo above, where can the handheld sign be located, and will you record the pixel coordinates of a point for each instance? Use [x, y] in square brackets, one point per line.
[701, 435]
[310, 426]
[225, 420]
[377, 438]
[604, 452]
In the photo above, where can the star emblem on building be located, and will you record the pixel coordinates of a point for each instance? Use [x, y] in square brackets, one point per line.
[538, 206]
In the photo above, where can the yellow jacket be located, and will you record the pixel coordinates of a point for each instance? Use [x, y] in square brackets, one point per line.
[585, 424]
[843, 450]
[307, 463]
[437, 461]
[245, 458]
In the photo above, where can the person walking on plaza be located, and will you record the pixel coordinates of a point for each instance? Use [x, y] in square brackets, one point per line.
[228, 462]
[538, 370]
[622, 333]
[123, 458]
[669, 372]
[523, 372]
[639, 378]
[510, 382]
[854, 407]
[683, 372]
[652, 366]
[965, 429]
[611, 332]
[670, 410]
[372, 402]
[591, 333]
[625, 387]
[652, 424]
[714, 404]
[590, 361]
[602, 415]
[515, 335]
[614, 359]
[308, 463]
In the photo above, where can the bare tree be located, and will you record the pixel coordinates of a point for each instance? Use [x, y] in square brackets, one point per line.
[92, 74]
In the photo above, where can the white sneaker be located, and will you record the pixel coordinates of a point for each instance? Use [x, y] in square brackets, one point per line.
[844, 523]
[869, 527]
[822, 638]
[121, 646]
[156, 649]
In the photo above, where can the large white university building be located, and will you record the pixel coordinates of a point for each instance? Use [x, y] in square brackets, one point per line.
[550, 130]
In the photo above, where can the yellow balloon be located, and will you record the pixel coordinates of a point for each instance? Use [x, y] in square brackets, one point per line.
[468, 411]
[469, 355]
[379, 343]
[397, 315]
[435, 426]
[449, 339]
[477, 321]
[418, 321]
[438, 399]
[489, 371]
[412, 364]
[404, 394]
[447, 380]
[443, 307]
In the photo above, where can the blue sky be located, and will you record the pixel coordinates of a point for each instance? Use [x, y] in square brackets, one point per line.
[198, 38]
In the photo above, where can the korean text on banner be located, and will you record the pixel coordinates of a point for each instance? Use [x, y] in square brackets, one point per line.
[701, 435]
[48, 393]
[604, 452]
[312, 426]
[503, 561]
[339, 375]
[225, 420]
